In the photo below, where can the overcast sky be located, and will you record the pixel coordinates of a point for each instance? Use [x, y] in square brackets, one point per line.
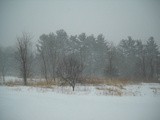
[116, 19]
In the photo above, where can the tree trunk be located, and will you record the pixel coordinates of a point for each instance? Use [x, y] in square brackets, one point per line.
[45, 67]
[151, 69]
[144, 68]
[73, 86]
[3, 79]
[25, 79]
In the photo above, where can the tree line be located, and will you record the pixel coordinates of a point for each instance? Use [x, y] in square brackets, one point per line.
[74, 57]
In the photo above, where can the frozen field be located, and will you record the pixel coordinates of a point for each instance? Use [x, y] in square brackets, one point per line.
[139, 102]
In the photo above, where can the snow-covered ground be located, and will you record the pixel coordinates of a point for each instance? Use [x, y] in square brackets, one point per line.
[138, 102]
[141, 89]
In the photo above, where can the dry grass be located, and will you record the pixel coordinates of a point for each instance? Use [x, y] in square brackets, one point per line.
[120, 82]
[32, 83]
[14, 83]
[111, 91]
[87, 81]
[115, 86]
[44, 84]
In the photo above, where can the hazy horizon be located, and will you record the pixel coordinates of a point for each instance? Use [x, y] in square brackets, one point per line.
[114, 19]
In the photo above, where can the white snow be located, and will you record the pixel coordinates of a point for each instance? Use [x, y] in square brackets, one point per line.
[28, 103]
[11, 78]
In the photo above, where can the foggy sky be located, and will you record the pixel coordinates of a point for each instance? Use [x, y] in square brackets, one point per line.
[116, 19]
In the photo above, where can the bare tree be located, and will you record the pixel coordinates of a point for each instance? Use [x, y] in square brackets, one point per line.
[3, 67]
[141, 59]
[70, 69]
[52, 54]
[42, 48]
[23, 55]
[44, 62]
[111, 69]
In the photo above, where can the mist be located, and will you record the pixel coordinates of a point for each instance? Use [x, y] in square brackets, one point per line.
[115, 19]
[79, 59]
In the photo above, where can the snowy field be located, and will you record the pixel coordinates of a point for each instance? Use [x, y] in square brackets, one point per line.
[141, 102]
[91, 102]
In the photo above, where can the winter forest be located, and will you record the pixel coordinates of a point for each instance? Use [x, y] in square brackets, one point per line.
[78, 57]
[79, 60]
